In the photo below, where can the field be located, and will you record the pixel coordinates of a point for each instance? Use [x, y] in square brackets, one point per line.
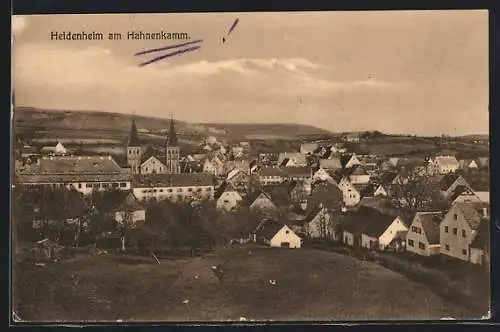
[310, 285]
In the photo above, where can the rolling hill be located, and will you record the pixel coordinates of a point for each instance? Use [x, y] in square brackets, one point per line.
[92, 124]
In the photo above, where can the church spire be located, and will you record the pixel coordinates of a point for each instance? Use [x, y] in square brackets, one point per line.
[134, 137]
[172, 136]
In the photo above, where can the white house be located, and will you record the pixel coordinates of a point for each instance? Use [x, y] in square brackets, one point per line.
[275, 234]
[352, 161]
[349, 192]
[131, 211]
[381, 232]
[423, 234]
[380, 191]
[152, 165]
[443, 165]
[359, 175]
[228, 198]
[322, 175]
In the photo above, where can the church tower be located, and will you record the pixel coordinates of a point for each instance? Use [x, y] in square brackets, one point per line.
[172, 150]
[134, 149]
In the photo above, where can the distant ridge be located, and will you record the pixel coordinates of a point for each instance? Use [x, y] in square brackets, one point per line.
[30, 118]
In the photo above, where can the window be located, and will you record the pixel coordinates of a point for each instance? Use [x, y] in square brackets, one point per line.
[169, 190]
[455, 217]
[446, 229]
[455, 231]
[154, 190]
[79, 186]
[198, 190]
[463, 233]
[160, 190]
[209, 189]
[144, 191]
[410, 243]
[88, 185]
[190, 189]
[447, 247]
[179, 190]
[115, 185]
[123, 184]
[464, 252]
[96, 185]
[146, 169]
[104, 185]
[287, 232]
[421, 245]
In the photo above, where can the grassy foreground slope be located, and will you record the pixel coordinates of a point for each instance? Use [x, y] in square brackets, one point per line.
[310, 285]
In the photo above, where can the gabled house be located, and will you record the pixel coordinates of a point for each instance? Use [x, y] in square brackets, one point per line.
[380, 191]
[261, 201]
[299, 173]
[349, 161]
[238, 179]
[359, 175]
[350, 194]
[227, 197]
[151, 164]
[131, 211]
[464, 194]
[368, 228]
[275, 234]
[292, 159]
[423, 234]
[468, 164]
[460, 227]
[58, 150]
[447, 184]
[322, 175]
[321, 223]
[443, 165]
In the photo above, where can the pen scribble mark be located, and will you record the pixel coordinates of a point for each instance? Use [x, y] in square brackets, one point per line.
[168, 47]
[235, 23]
[189, 49]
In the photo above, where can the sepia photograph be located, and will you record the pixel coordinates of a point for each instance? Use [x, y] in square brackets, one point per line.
[250, 167]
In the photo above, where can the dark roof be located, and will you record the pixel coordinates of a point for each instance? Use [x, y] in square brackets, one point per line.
[134, 137]
[472, 212]
[368, 221]
[327, 194]
[75, 165]
[279, 194]
[364, 189]
[225, 186]
[459, 190]
[109, 201]
[173, 180]
[378, 224]
[344, 159]
[300, 171]
[358, 170]
[268, 229]
[387, 178]
[447, 180]
[479, 181]
[378, 203]
[482, 238]
[172, 135]
[430, 223]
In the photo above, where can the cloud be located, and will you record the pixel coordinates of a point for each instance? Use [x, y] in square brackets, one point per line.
[19, 24]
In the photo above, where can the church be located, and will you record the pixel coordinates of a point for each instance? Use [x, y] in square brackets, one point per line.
[144, 159]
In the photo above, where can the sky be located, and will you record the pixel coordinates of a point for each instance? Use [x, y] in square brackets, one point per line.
[406, 72]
